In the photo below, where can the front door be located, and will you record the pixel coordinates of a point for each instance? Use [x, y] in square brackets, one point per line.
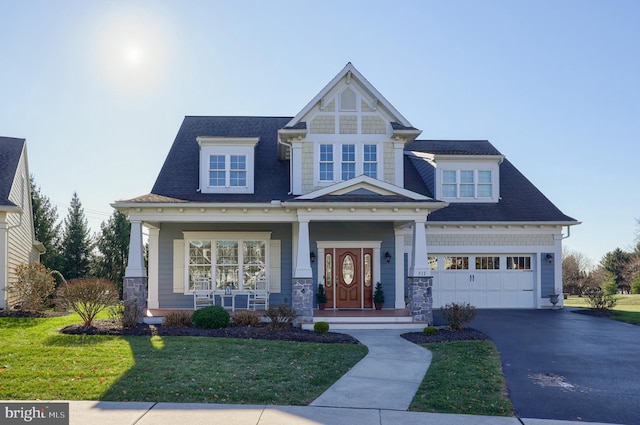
[352, 271]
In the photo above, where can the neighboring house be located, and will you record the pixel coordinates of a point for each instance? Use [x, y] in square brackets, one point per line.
[17, 236]
[345, 195]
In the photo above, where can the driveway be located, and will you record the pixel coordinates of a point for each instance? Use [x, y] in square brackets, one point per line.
[567, 366]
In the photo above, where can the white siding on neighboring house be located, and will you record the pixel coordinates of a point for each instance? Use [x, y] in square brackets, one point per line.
[20, 232]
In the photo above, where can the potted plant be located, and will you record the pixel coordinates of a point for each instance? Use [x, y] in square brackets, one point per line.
[378, 296]
[321, 297]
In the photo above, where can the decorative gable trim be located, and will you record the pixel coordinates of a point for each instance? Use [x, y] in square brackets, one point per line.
[367, 183]
[351, 73]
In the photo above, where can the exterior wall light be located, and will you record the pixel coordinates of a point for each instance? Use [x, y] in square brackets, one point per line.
[387, 256]
[549, 258]
[312, 257]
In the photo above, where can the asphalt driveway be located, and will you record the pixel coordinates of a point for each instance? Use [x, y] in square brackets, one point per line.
[567, 366]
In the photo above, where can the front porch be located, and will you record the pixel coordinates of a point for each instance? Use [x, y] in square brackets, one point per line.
[365, 319]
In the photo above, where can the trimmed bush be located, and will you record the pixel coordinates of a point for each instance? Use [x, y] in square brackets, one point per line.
[87, 297]
[635, 284]
[599, 300]
[281, 316]
[33, 288]
[246, 318]
[178, 319]
[212, 317]
[430, 331]
[321, 327]
[124, 314]
[458, 315]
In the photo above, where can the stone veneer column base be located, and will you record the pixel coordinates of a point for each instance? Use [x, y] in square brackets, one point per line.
[302, 298]
[420, 299]
[134, 292]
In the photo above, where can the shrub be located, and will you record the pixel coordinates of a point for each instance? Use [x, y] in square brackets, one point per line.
[178, 319]
[281, 316]
[609, 286]
[87, 297]
[430, 331]
[598, 299]
[321, 327]
[212, 317]
[246, 318]
[33, 288]
[124, 314]
[458, 315]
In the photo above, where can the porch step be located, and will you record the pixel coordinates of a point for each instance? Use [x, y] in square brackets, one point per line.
[347, 325]
[368, 319]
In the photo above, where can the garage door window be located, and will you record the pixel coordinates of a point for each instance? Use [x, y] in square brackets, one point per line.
[456, 263]
[518, 263]
[487, 263]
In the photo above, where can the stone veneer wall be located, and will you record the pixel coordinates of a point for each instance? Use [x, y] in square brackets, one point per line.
[302, 298]
[134, 292]
[421, 299]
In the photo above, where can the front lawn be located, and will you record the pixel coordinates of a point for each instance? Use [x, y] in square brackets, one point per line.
[36, 362]
[626, 310]
[465, 377]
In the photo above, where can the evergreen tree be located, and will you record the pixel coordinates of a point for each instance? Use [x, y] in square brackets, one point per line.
[113, 248]
[47, 230]
[76, 243]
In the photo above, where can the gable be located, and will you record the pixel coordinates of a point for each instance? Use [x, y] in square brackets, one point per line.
[10, 154]
[363, 186]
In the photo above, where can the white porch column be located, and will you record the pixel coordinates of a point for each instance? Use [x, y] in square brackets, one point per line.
[4, 272]
[419, 265]
[303, 263]
[153, 301]
[135, 265]
[398, 260]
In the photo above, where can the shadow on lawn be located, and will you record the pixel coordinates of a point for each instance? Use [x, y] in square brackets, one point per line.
[18, 322]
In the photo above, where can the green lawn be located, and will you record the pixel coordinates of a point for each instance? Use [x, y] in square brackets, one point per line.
[466, 378]
[627, 309]
[36, 362]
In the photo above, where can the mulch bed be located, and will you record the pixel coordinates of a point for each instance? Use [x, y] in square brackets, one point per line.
[594, 313]
[290, 333]
[446, 335]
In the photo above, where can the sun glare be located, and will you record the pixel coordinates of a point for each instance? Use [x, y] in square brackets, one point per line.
[131, 51]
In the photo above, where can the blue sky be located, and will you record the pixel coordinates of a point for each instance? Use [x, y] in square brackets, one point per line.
[100, 88]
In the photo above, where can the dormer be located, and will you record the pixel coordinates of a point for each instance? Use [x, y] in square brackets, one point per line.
[349, 129]
[227, 164]
[465, 178]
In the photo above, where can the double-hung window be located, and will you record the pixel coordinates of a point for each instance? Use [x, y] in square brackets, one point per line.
[370, 161]
[348, 162]
[326, 162]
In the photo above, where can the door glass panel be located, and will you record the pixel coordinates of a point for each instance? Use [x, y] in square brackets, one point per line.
[328, 271]
[347, 270]
[367, 269]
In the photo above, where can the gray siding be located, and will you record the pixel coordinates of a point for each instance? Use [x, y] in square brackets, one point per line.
[547, 276]
[362, 231]
[168, 232]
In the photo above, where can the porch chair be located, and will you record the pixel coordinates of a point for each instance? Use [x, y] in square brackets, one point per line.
[259, 297]
[203, 295]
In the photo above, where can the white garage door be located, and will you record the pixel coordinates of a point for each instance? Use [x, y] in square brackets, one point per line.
[497, 281]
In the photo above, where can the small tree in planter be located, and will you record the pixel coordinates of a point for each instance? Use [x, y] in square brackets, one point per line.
[321, 297]
[378, 296]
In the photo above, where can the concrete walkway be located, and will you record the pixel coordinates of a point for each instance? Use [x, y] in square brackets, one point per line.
[387, 378]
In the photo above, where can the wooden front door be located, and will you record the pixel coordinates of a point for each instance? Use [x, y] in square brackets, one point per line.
[348, 275]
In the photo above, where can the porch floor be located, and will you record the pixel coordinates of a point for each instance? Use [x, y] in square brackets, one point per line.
[361, 313]
[365, 319]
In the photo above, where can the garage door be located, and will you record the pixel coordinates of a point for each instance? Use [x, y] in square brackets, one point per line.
[496, 281]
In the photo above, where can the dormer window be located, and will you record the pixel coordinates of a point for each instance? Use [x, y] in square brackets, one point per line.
[351, 160]
[227, 164]
[467, 185]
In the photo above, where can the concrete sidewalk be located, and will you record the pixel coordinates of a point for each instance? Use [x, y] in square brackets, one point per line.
[136, 413]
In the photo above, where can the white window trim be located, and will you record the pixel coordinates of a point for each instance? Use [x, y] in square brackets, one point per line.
[240, 146]
[337, 160]
[213, 237]
[495, 189]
